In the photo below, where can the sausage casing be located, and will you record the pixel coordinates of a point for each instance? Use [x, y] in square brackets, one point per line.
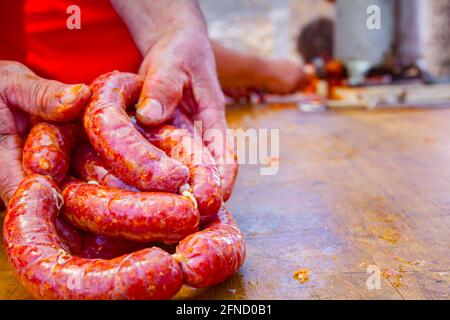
[204, 176]
[227, 164]
[47, 149]
[87, 166]
[212, 255]
[70, 237]
[134, 159]
[142, 217]
[95, 246]
[92, 246]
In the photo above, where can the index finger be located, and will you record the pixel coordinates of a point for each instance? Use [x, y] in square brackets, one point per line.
[211, 112]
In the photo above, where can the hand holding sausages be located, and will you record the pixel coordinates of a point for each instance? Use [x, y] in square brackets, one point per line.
[178, 69]
[109, 222]
[226, 161]
[204, 176]
[23, 93]
[188, 81]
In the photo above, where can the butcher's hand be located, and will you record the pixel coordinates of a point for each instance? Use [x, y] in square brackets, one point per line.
[24, 94]
[178, 67]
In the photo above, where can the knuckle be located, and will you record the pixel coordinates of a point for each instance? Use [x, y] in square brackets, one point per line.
[167, 87]
[8, 142]
[197, 61]
[3, 140]
[201, 63]
[209, 98]
[7, 190]
[40, 92]
[210, 104]
[8, 67]
[12, 76]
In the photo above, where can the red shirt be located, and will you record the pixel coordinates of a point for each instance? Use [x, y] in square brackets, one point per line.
[35, 33]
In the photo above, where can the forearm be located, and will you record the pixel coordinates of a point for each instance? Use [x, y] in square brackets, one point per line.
[234, 66]
[238, 69]
[148, 20]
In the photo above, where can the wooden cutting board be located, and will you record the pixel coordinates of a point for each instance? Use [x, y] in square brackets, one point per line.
[355, 189]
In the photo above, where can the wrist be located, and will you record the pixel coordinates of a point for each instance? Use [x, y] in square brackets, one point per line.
[149, 20]
[264, 71]
[169, 33]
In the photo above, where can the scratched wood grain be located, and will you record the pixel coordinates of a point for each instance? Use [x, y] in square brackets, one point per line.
[354, 189]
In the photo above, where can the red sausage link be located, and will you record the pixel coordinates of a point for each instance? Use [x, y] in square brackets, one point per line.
[228, 169]
[133, 159]
[204, 176]
[223, 217]
[87, 166]
[142, 217]
[92, 246]
[47, 149]
[71, 238]
[49, 272]
[212, 255]
[96, 246]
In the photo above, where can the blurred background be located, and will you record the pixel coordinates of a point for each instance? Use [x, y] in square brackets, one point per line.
[413, 38]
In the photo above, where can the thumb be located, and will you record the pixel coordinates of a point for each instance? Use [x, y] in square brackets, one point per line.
[50, 100]
[161, 94]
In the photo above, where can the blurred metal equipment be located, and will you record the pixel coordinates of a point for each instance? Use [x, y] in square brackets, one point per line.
[358, 45]
[438, 38]
[398, 44]
[410, 33]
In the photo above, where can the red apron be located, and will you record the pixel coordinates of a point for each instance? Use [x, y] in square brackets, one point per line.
[42, 41]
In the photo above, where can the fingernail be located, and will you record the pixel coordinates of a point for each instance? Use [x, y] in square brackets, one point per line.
[149, 110]
[70, 94]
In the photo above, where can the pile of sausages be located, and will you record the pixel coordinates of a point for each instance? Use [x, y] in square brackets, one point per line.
[85, 222]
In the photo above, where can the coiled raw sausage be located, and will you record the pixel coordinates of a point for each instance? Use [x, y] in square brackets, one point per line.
[204, 176]
[49, 272]
[71, 238]
[227, 164]
[95, 246]
[47, 149]
[111, 133]
[212, 255]
[86, 165]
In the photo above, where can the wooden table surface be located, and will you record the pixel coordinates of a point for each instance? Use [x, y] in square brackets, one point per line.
[355, 190]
